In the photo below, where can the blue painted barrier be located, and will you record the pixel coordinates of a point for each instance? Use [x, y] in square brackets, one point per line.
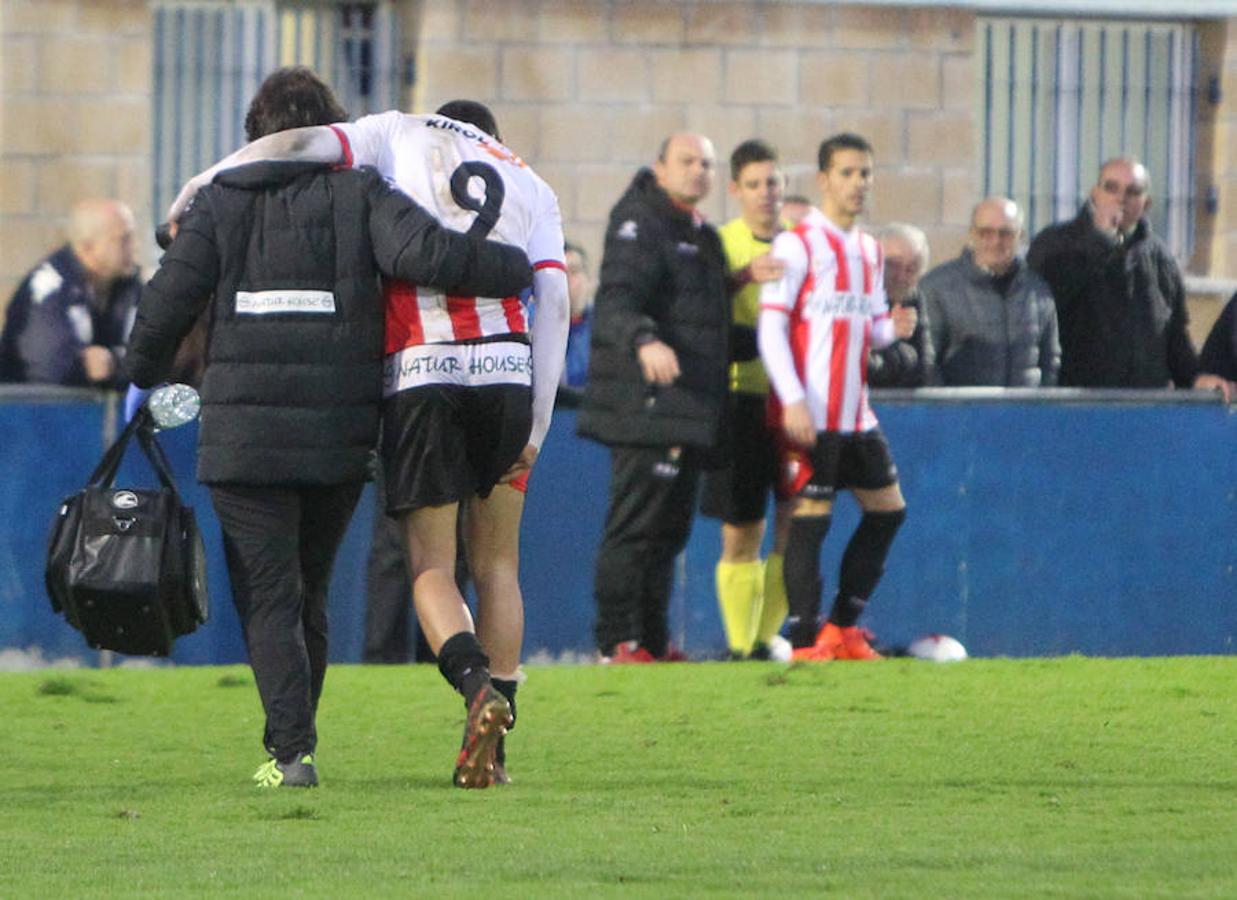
[1039, 523]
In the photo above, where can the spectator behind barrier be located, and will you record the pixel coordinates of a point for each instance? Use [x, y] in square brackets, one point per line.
[991, 319]
[1119, 294]
[69, 319]
[794, 208]
[907, 362]
[580, 288]
[1218, 361]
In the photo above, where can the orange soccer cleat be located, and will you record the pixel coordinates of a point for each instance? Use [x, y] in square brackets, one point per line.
[628, 652]
[846, 643]
[814, 653]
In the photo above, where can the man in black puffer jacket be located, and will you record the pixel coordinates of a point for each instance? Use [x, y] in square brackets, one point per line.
[1119, 294]
[292, 254]
[657, 386]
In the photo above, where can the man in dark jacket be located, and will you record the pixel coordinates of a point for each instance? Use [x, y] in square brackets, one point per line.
[68, 321]
[1217, 364]
[991, 319]
[908, 361]
[292, 254]
[1120, 299]
[657, 387]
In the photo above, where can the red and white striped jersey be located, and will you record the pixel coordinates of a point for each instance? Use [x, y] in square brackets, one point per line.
[832, 292]
[469, 182]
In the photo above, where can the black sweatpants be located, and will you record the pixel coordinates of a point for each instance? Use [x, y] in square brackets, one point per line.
[280, 544]
[652, 498]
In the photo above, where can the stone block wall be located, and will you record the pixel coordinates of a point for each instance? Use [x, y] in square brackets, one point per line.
[75, 87]
[585, 90]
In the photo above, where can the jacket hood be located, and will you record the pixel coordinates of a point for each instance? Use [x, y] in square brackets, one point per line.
[260, 176]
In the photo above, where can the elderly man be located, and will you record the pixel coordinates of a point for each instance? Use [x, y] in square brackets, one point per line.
[69, 320]
[1118, 290]
[657, 388]
[991, 319]
[907, 362]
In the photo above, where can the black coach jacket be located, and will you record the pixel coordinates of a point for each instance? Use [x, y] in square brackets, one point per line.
[663, 276]
[292, 255]
[1120, 307]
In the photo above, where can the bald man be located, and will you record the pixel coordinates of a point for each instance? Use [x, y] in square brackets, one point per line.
[991, 319]
[70, 317]
[656, 389]
[1119, 292]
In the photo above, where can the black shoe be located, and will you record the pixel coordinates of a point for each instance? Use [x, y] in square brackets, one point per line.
[489, 717]
[299, 771]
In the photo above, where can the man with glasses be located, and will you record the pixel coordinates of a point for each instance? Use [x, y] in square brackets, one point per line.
[1118, 290]
[991, 319]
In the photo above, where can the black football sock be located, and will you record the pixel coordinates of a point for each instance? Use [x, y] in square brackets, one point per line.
[863, 563]
[802, 572]
[464, 664]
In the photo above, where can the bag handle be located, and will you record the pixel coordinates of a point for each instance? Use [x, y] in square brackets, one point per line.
[141, 425]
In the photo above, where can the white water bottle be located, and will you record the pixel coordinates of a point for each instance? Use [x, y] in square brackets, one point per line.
[173, 405]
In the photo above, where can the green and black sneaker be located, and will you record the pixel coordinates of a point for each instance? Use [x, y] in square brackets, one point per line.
[298, 771]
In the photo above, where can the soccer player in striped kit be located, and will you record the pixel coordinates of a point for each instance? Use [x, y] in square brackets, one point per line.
[468, 388]
[817, 324]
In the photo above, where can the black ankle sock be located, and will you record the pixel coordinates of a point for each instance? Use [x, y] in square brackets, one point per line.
[507, 689]
[464, 664]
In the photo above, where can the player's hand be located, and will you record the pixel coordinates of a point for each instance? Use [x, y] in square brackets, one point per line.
[523, 463]
[98, 362]
[797, 422]
[1227, 389]
[765, 268]
[658, 362]
[905, 320]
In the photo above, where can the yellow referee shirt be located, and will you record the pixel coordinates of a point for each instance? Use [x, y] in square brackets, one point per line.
[741, 247]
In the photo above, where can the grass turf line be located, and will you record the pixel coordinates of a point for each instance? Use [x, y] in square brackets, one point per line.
[1044, 778]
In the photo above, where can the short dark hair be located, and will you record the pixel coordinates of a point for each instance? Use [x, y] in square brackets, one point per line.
[844, 141]
[569, 247]
[753, 151]
[473, 113]
[291, 97]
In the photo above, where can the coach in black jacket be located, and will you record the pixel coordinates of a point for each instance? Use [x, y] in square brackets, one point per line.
[657, 386]
[292, 254]
[1120, 298]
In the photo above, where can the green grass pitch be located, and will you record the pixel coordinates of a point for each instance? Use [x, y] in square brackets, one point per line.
[990, 778]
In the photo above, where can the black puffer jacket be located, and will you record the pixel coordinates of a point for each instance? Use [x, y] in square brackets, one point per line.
[1120, 308]
[292, 254]
[663, 276]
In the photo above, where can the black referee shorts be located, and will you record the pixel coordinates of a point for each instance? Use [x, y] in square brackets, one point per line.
[739, 493]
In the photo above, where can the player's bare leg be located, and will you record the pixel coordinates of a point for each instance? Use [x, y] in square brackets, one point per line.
[448, 627]
[493, 547]
[494, 557]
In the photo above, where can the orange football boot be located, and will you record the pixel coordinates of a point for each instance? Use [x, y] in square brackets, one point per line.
[846, 643]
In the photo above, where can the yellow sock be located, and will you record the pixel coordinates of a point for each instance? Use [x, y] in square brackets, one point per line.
[738, 596]
[773, 611]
